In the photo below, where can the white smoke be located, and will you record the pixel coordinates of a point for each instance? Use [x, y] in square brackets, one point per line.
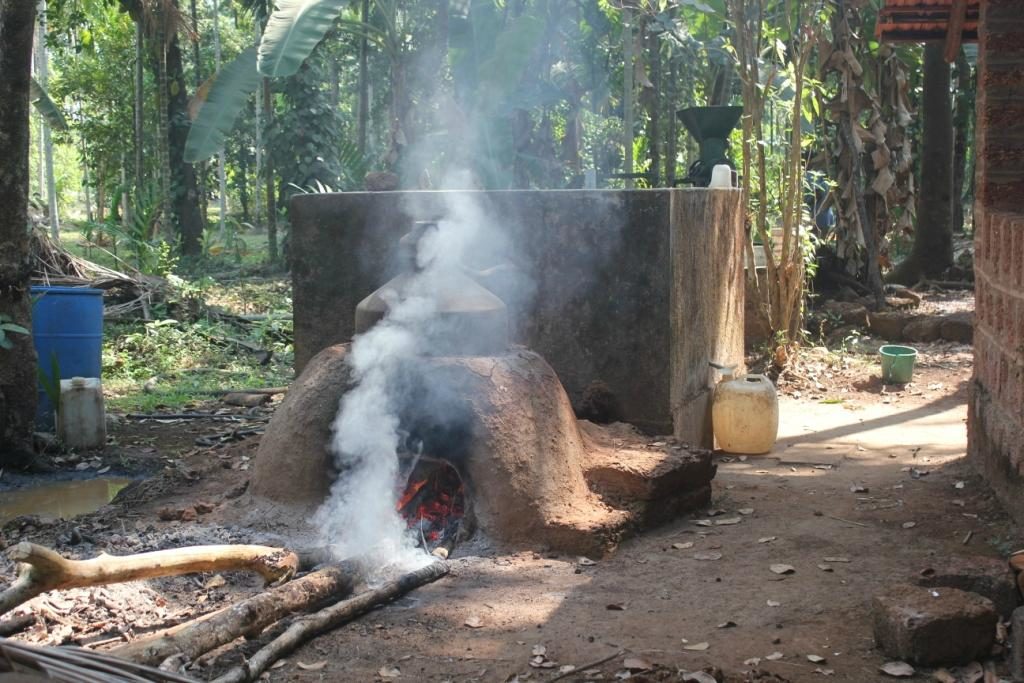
[359, 516]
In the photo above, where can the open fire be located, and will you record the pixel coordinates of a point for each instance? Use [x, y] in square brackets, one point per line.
[433, 503]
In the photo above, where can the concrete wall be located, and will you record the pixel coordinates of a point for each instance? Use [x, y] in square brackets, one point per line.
[996, 417]
[596, 265]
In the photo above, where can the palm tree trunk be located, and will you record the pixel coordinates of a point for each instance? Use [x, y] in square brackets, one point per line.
[964, 106]
[42, 69]
[268, 115]
[18, 363]
[932, 252]
[197, 71]
[627, 95]
[138, 106]
[222, 186]
[364, 82]
[185, 189]
[163, 124]
[257, 172]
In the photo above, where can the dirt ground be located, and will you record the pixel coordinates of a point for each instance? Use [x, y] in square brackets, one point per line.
[866, 487]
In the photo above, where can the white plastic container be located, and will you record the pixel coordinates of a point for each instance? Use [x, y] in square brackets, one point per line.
[81, 417]
[745, 414]
[721, 176]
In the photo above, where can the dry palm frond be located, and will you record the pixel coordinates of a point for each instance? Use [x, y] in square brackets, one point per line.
[54, 265]
[78, 665]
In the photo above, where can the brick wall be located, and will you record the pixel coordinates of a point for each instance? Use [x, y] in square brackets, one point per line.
[996, 410]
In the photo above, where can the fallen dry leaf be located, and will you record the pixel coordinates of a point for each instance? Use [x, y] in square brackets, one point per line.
[703, 522]
[707, 556]
[775, 656]
[566, 669]
[473, 622]
[315, 666]
[782, 568]
[767, 539]
[943, 676]
[746, 511]
[636, 664]
[698, 677]
[773, 603]
[683, 546]
[909, 525]
[697, 647]
[825, 567]
[753, 661]
[825, 672]
[386, 672]
[837, 559]
[616, 606]
[815, 659]
[539, 651]
[897, 669]
[728, 521]
[585, 562]
[727, 624]
[278, 664]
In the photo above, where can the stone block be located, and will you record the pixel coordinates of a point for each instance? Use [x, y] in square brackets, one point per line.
[850, 313]
[958, 327]
[989, 577]
[925, 329]
[888, 324]
[934, 626]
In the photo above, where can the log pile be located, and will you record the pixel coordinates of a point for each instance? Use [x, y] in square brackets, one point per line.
[316, 602]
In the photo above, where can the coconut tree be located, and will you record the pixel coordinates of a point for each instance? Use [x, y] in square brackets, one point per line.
[17, 354]
[932, 252]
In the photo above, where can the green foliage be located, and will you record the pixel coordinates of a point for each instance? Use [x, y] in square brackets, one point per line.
[303, 139]
[169, 363]
[150, 252]
[294, 30]
[8, 326]
[228, 93]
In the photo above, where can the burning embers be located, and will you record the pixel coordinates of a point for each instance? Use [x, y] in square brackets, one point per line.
[433, 503]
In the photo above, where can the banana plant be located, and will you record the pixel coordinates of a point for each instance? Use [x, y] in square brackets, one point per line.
[292, 32]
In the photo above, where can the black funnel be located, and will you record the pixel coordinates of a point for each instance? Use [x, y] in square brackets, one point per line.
[710, 127]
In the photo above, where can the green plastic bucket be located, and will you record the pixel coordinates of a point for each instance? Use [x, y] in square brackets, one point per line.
[897, 363]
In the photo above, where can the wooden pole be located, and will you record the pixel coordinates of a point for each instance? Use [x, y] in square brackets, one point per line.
[44, 570]
[306, 628]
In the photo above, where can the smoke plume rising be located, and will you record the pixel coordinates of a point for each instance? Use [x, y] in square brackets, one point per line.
[359, 516]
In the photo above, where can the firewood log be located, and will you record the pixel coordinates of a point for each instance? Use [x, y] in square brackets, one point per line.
[308, 627]
[247, 617]
[44, 570]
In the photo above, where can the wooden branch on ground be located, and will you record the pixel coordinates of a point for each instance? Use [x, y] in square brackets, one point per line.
[9, 627]
[308, 627]
[183, 416]
[250, 616]
[268, 391]
[44, 570]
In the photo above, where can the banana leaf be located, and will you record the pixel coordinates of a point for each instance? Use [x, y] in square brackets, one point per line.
[225, 98]
[294, 29]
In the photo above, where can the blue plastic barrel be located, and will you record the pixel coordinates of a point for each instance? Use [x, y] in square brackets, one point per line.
[67, 323]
